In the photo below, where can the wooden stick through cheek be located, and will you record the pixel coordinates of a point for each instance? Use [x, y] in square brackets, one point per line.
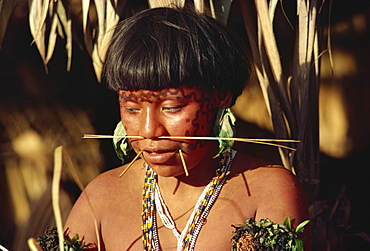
[132, 162]
[138, 155]
[183, 163]
[256, 141]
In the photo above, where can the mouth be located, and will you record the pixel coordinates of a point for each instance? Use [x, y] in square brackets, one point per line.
[160, 151]
[156, 156]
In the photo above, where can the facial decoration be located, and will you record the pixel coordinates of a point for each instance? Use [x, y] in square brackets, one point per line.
[204, 116]
[181, 111]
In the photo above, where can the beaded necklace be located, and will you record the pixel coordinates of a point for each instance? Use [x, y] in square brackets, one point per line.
[152, 202]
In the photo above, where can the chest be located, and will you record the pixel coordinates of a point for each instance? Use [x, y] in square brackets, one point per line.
[217, 231]
[121, 228]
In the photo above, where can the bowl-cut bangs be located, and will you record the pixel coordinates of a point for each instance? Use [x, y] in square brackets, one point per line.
[169, 47]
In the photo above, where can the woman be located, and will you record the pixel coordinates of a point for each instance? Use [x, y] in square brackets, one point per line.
[176, 73]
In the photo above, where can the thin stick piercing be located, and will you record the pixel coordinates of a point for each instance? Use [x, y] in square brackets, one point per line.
[132, 162]
[183, 163]
[255, 141]
[93, 136]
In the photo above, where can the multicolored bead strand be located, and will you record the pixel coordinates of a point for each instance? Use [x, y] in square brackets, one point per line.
[149, 227]
[201, 210]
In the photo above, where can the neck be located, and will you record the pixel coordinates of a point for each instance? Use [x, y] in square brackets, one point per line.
[200, 211]
[198, 178]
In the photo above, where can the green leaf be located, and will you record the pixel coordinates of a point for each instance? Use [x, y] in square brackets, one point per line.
[270, 236]
[74, 238]
[225, 127]
[300, 227]
[287, 223]
[121, 145]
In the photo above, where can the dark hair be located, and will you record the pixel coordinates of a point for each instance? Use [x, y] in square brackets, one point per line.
[169, 47]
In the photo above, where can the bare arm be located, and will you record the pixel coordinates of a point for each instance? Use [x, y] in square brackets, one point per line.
[83, 221]
[282, 196]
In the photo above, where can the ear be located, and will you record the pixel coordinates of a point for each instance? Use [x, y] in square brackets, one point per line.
[224, 99]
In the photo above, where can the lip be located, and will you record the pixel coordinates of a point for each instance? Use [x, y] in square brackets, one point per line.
[159, 156]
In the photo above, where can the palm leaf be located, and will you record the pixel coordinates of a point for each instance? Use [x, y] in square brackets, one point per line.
[199, 5]
[220, 10]
[254, 25]
[85, 11]
[55, 191]
[107, 19]
[292, 101]
[52, 38]
[40, 12]
[37, 17]
[165, 3]
[65, 24]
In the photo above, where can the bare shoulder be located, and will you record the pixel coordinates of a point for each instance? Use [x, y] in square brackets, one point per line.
[265, 176]
[273, 191]
[93, 209]
[110, 183]
[277, 192]
[273, 178]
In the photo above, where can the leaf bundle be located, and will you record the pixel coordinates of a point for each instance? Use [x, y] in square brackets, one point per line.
[50, 241]
[268, 236]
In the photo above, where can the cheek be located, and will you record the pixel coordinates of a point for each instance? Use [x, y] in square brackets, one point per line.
[179, 126]
[131, 127]
[201, 124]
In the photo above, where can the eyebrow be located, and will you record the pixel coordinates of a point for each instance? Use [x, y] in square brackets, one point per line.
[147, 97]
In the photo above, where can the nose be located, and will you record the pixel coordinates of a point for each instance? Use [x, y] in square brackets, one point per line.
[151, 125]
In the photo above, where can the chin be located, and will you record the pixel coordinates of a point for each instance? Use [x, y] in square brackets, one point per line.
[168, 171]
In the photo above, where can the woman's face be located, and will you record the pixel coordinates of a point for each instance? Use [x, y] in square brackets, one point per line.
[181, 111]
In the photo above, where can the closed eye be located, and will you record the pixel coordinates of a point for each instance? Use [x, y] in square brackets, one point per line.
[132, 110]
[172, 109]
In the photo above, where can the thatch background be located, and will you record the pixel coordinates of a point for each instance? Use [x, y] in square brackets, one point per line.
[39, 112]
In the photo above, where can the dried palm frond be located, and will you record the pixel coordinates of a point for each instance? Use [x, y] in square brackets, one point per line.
[55, 192]
[292, 101]
[166, 3]
[107, 19]
[49, 18]
[54, 235]
[42, 12]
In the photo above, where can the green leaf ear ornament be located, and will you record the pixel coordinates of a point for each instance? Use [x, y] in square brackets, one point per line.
[224, 127]
[121, 145]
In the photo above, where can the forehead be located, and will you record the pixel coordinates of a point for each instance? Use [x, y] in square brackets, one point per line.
[176, 94]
